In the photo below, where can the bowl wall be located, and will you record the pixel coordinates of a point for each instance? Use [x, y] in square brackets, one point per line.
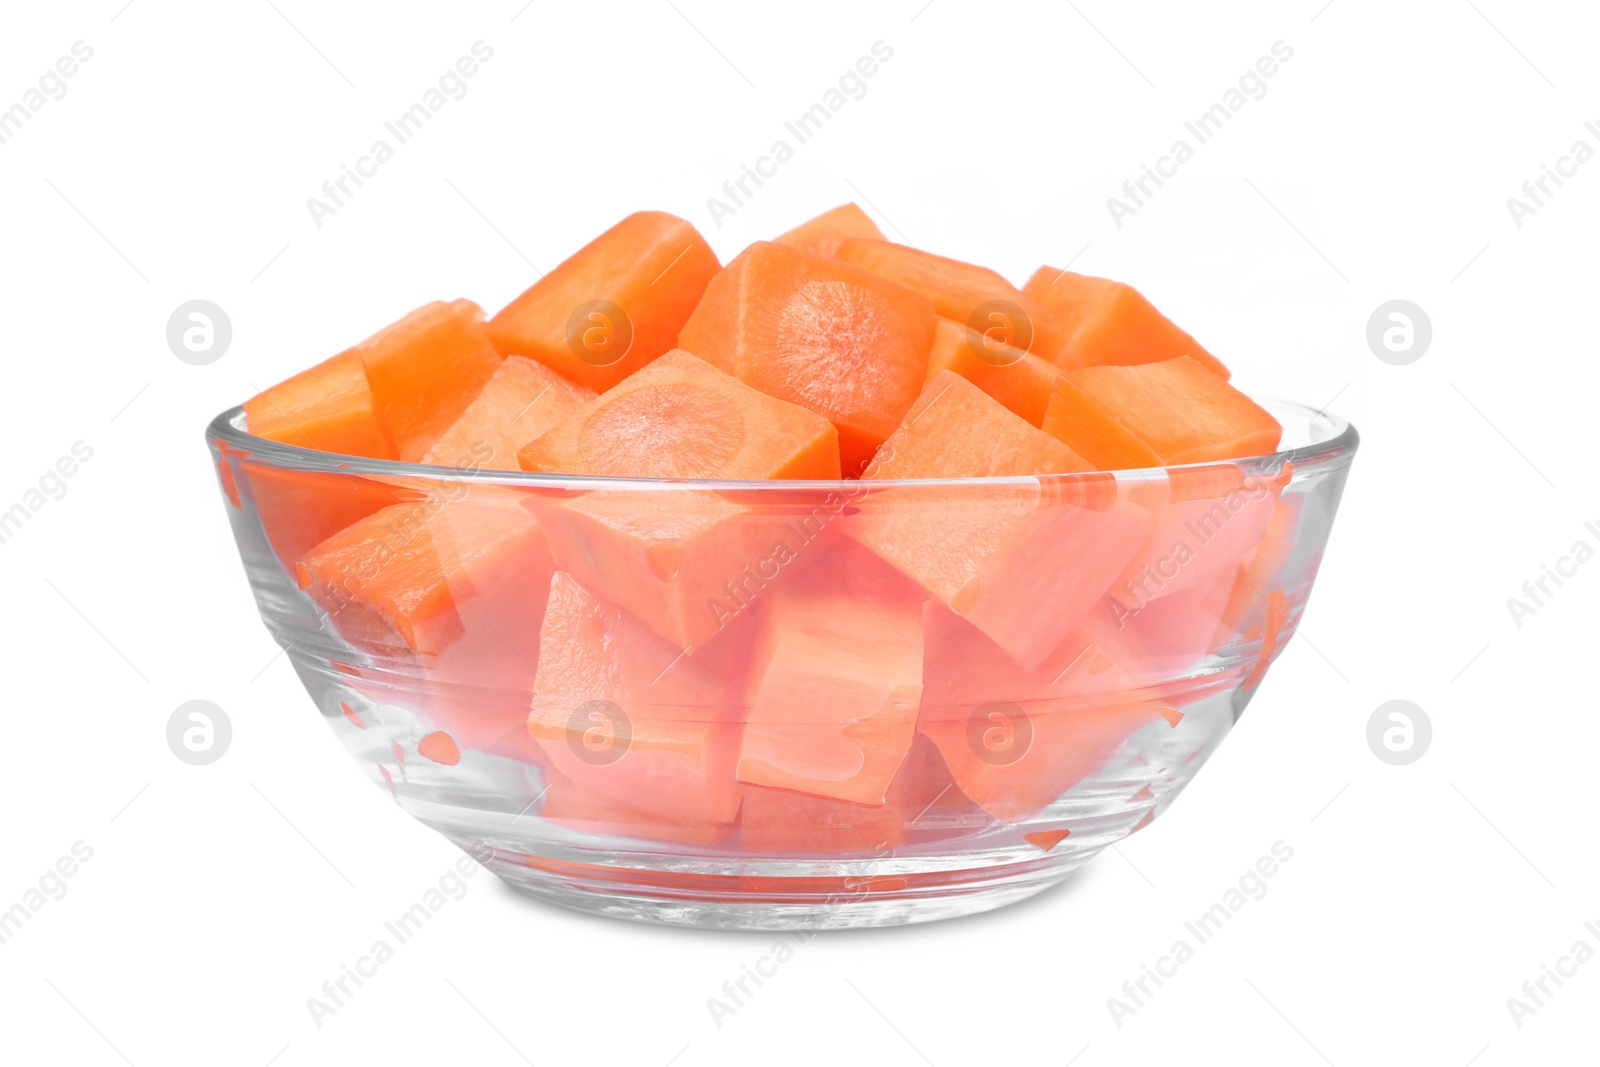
[782, 705]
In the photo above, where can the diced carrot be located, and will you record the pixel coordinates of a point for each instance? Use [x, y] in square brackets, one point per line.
[624, 714]
[1103, 660]
[414, 571]
[1015, 740]
[1100, 322]
[1177, 632]
[839, 660]
[955, 430]
[1045, 840]
[1024, 563]
[439, 747]
[779, 820]
[614, 305]
[300, 509]
[680, 417]
[1016, 765]
[782, 821]
[1262, 570]
[328, 407]
[1019, 380]
[453, 588]
[1211, 521]
[1271, 632]
[821, 235]
[687, 564]
[226, 478]
[964, 292]
[522, 401]
[1157, 414]
[578, 807]
[828, 336]
[425, 369]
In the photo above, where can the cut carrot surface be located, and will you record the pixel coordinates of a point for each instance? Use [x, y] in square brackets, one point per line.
[1016, 765]
[328, 407]
[425, 369]
[1016, 739]
[839, 660]
[1262, 570]
[955, 430]
[1210, 522]
[1099, 322]
[421, 571]
[1021, 562]
[300, 509]
[588, 810]
[1019, 380]
[622, 713]
[1178, 631]
[821, 236]
[452, 589]
[827, 336]
[615, 305]
[227, 479]
[781, 821]
[522, 401]
[963, 292]
[1155, 414]
[687, 564]
[680, 417]
[1100, 661]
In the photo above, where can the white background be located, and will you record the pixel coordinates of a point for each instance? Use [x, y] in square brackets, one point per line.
[1377, 166]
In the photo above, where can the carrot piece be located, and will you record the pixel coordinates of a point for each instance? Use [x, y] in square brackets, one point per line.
[1022, 562]
[1263, 569]
[964, 292]
[1019, 380]
[1211, 522]
[830, 337]
[687, 564]
[782, 821]
[1018, 561]
[300, 509]
[955, 430]
[1157, 414]
[614, 305]
[840, 664]
[439, 747]
[328, 407]
[627, 716]
[455, 591]
[1055, 750]
[1100, 322]
[1178, 631]
[226, 477]
[425, 370]
[680, 417]
[821, 235]
[1016, 739]
[522, 401]
[591, 810]
[409, 570]
[1102, 660]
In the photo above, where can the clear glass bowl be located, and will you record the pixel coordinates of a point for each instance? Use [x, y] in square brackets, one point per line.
[715, 704]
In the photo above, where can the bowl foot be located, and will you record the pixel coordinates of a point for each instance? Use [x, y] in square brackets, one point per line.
[726, 901]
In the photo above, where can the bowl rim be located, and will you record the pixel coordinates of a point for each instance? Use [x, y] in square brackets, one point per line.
[1335, 449]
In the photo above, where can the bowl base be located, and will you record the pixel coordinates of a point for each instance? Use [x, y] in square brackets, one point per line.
[775, 903]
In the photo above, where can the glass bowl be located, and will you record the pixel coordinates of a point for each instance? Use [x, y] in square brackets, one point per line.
[776, 705]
